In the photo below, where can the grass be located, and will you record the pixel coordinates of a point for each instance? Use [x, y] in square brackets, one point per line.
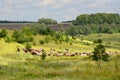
[56, 68]
[111, 41]
[22, 66]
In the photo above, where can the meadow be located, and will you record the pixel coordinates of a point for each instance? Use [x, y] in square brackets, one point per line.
[24, 66]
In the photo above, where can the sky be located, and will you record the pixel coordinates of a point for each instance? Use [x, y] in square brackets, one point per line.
[60, 10]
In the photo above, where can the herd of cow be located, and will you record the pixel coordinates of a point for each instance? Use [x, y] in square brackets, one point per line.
[53, 52]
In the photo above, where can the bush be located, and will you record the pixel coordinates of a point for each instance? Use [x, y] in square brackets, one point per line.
[67, 39]
[28, 46]
[7, 39]
[34, 43]
[99, 53]
[3, 33]
[30, 38]
[43, 56]
[110, 31]
[21, 37]
[42, 42]
[47, 39]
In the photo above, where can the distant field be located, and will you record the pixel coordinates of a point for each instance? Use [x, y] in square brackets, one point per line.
[12, 26]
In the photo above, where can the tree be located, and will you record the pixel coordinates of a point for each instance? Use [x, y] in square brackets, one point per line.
[58, 37]
[3, 33]
[43, 56]
[22, 37]
[72, 31]
[26, 31]
[99, 53]
[98, 18]
[47, 21]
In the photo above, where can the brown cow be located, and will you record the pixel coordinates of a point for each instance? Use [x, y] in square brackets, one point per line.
[18, 49]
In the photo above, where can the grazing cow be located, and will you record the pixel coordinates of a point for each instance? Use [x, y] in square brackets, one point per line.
[69, 54]
[58, 54]
[34, 52]
[76, 53]
[49, 54]
[83, 54]
[52, 51]
[18, 49]
[25, 50]
[66, 50]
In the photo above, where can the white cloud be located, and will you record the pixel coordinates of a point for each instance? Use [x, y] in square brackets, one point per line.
[96, 3]
[93, 5]
[58, 9]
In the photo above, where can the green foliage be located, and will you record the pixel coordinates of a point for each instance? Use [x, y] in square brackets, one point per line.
[72, 31]
[95, 23]
[58, 37]
[34, 43]
[3, 33]
[98, 18]
[42, 42]
[28, 45]
[99, 52]
[47, 39]
[26, 31]
[22, 36]
[67, 39]
[45, 30]
[47, 21]
[92, 28]
[8, 39]
[99, 41]
[110, 31]
[43, 56]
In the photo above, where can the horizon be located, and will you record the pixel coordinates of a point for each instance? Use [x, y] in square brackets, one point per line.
[32, 10]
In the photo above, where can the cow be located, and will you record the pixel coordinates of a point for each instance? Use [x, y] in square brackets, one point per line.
[18, 49]
[25, 50]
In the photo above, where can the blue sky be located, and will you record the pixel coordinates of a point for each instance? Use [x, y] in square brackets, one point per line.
[60, 10]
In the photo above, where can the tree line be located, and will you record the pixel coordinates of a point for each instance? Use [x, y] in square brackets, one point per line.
[98, 18]
[93, 28]
[7, 21]
[94, 23]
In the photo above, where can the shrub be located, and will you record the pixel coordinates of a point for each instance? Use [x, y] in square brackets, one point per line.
[43, 56]
[28, 46]
[110, 31]
[47, 39]
[34, 43]
[67, 39]
[7, 39]
[3, 33]
[21, 37]
[99, 53]
[42, 42]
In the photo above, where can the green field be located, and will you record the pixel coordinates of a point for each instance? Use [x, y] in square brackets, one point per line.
[24, 66]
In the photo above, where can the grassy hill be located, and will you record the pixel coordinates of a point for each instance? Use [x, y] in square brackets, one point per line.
[24, 66]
